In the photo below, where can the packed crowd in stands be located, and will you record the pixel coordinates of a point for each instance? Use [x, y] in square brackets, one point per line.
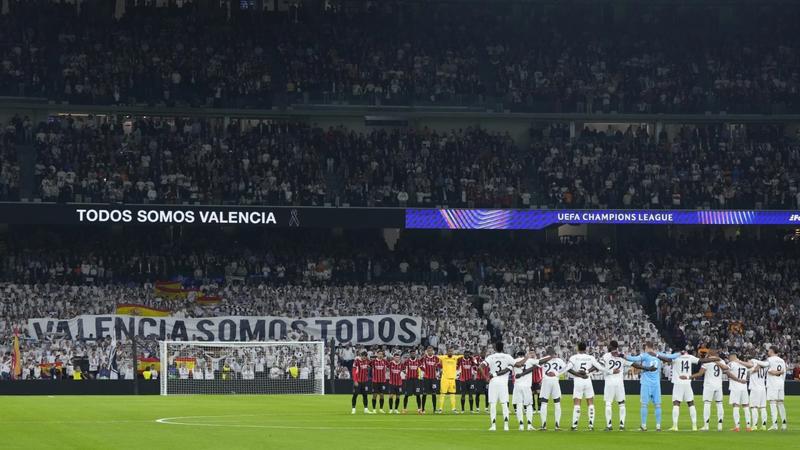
[450, 320]
[289, 163]
[39, 255]
[277, 163]
[529, 295]
[535, 319]
[741, 296]
[9, 166]
[726, 297]
[64, 274]
[157, 162]
[436, 53]
[95, 274]
[696, 167]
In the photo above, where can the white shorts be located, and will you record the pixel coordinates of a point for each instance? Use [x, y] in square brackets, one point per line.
[775, 393]
[758, 398]
[712, 394]
[614, 392]
[583, 390]
[739, 397]
[551, 390]
[522, 395]
[498, 392]
[682, 393]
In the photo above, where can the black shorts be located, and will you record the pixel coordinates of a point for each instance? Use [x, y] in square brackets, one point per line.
[378, 388]
[394, 389]
[431, 386]
[411, 387]
[480, 387]
[362, 388]
[536, 387]
[463, 387]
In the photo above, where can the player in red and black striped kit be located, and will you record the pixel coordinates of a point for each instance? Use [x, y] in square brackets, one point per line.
[481, 378]
[380, 372]
[466, 380]
[431, 364]
[395, 383]
[411, 386]
[360, 376]
[536, 387]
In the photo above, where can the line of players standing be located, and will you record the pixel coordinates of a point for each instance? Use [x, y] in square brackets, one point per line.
[489, 376]
[419, 376]
[766, 381]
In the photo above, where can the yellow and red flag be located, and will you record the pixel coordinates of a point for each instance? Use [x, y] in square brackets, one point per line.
[184, 361]
[208, 299]
[132, 309]
[143, 364]
[171, 290]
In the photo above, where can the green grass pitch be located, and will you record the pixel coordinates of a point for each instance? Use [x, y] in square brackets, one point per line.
[324, 422]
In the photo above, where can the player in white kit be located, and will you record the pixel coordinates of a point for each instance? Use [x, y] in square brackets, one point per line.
[579, 366]
[614, 389]
[738, 392]
[551, 390]
[758, 391]
[712, 388]
[682, 383]
[523, 384]
[776, 378]
[500, 365]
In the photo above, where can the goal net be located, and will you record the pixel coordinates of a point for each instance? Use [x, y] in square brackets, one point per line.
[196, 367]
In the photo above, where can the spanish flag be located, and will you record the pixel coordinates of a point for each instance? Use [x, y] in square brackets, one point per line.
[208, 299]
[132, 309]
[171, 290]
[144, 363]
[188, 362]
[16, 360]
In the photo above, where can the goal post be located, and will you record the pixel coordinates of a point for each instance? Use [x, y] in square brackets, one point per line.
[243, 368]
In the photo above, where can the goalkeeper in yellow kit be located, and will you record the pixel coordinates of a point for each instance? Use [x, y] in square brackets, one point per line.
[448, 382]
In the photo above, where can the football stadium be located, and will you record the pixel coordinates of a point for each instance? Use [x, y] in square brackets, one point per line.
[441, 224]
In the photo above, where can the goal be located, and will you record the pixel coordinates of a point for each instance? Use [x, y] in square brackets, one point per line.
[249, 368]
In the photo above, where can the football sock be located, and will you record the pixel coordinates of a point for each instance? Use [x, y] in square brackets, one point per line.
[557, 410]
[543, 413]
[576, 415]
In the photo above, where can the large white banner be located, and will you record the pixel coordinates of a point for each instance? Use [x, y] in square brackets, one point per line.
[366, 330]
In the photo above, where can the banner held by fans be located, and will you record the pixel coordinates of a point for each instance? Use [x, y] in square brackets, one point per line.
[389, 329]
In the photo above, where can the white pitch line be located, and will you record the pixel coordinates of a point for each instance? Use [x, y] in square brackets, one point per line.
[45, 422]
[175, 421]
[172, 421]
